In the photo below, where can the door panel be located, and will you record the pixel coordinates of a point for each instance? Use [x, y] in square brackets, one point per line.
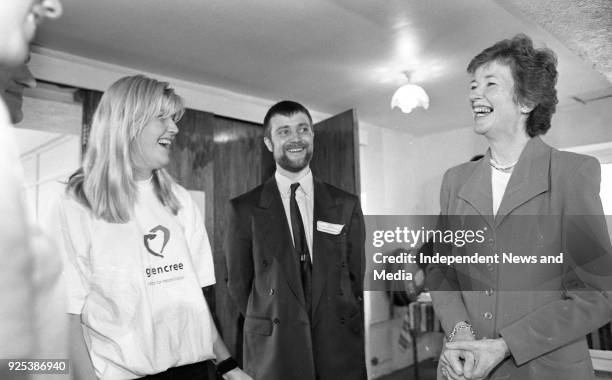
[239, 167]
[336, 151]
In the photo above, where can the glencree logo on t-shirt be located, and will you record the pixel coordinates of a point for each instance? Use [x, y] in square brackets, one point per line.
[155, 241]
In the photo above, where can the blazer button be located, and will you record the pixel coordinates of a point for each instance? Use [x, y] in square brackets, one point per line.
[359, 298]
[276, 321]
[490, 267]
[271, 292]
[342, 320]
[491, 242]
[341, 293]
[488, 315]
[343, 264]
[265, 263]
[489, 292]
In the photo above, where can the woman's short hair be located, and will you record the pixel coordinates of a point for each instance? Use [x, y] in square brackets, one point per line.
[535, 76]
[105, 183]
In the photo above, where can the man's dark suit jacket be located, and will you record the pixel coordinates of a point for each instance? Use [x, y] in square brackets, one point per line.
[280, 340]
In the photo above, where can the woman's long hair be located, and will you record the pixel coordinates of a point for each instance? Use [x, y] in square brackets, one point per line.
[105, 184]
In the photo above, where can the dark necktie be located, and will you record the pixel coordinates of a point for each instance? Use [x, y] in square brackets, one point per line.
[301, 247]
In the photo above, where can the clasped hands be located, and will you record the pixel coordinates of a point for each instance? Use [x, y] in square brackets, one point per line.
[471, 359]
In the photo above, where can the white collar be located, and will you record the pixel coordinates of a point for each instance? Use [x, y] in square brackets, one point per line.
[284, 183]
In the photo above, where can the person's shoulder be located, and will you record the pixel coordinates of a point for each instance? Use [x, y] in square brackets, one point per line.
[338, 193]
[566, 167]
[462, 171]
[66, 203]
[571, 160]
[69, 201]
[251, 197]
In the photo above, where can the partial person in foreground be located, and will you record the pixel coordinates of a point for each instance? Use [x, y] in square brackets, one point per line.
[533, 320]
[32, 324]
[295, 258]
[136, 253]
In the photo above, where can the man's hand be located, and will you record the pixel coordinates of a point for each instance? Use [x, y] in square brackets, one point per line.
[237, 374]
[488, 353]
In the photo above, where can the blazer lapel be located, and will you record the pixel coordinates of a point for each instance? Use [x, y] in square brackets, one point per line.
[529, 178]
[273, 221]
[477, 190]
[323, 249]
[325, 209]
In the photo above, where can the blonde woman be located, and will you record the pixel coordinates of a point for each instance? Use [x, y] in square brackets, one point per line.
[135, 249]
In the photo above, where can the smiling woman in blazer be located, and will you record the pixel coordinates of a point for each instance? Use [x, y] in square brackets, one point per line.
[532, 321]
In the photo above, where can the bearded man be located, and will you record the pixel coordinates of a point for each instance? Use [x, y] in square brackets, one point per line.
[295, 258]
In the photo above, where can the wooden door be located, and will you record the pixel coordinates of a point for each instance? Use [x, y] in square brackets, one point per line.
[241, 161]
[336, 151]
[90, 100]
[192, 159]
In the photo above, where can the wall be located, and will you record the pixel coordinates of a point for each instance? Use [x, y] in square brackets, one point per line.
[401, 173]
[72, 70]
[577, 124]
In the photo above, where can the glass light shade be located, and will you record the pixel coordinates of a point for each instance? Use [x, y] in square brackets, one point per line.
[408, 97]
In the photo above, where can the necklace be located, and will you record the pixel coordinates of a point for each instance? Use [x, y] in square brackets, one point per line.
[506, 168]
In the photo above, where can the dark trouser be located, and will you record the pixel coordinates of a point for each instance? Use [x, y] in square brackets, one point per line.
[195, 371]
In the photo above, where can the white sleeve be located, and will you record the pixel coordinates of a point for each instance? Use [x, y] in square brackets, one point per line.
[197, 239]
[16, 288]
[67, 223]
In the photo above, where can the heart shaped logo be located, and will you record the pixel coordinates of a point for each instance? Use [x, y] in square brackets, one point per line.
[151, 242]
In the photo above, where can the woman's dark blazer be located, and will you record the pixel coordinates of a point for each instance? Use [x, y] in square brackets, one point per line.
[543, 311]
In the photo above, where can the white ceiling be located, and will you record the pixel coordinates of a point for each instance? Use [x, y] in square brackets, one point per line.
[331, 55]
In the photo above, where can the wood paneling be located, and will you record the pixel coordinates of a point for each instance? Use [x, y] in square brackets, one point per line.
[90, 100]
[239, 166]
[192, 165]
[336, 151]
[192, 159]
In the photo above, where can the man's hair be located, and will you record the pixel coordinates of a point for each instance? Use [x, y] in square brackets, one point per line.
[285, 108]
[105, 184]
[535, 75]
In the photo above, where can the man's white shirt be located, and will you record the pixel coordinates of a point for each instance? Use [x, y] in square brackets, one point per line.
[304, 196]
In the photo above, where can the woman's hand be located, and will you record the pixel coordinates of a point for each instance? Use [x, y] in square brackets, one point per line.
[237, 374]
[487, 353]
[454, 363]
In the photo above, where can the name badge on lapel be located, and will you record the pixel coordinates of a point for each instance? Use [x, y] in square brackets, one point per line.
[329, 228]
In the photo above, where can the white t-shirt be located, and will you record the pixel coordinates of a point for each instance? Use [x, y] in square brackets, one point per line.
[33, 321]
[138, 285]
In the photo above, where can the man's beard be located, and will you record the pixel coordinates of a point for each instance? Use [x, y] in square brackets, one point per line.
[294, 166]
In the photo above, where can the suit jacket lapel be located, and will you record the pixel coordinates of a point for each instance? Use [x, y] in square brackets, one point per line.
[323, 249]
[477, 190]
[529, 178]
[273, 221]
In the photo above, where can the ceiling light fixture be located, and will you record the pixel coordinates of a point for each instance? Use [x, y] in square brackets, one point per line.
[409, 96]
